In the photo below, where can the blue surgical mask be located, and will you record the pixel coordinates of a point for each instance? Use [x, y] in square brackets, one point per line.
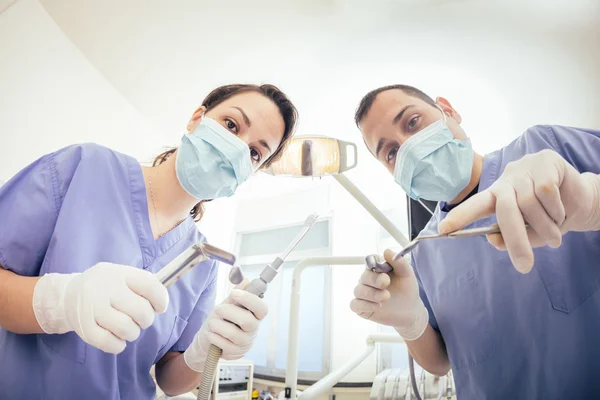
[433, 165]
[212, 162]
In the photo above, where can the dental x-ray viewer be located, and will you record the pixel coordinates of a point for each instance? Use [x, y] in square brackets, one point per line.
[83, 231]
[505, 332]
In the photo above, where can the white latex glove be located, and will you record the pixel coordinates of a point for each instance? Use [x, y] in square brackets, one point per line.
[106, 305]
[231, 326]
[392, 299]
[542, 189]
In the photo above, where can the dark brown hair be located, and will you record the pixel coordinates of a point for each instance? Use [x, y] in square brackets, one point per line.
[367, 102]
[217, 96]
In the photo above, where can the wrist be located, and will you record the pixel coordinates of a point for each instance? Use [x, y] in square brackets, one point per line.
[417, 328]
[194, 359]
[593, 221]
[49, 303]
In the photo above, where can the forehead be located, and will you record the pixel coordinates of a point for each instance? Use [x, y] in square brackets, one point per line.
[265, 118]
[252, 103]
[379, 119]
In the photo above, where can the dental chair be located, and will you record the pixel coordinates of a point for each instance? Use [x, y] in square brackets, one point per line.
[395, 384]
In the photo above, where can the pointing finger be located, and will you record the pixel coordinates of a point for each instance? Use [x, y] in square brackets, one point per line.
[476, 207]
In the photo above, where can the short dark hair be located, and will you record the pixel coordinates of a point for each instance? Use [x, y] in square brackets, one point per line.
[367, 101]
[288, 112]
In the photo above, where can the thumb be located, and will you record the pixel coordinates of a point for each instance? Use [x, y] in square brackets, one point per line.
[401, 267]
[243, 284]
[240, 286]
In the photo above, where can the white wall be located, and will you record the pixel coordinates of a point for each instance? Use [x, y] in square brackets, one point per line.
[51, 96]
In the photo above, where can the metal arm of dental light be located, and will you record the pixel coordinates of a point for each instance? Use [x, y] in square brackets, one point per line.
[371, 209]
[320, 156]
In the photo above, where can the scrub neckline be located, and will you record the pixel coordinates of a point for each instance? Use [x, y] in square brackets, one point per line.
[151, 248]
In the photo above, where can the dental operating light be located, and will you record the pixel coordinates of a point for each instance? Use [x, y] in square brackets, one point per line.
[315, 156]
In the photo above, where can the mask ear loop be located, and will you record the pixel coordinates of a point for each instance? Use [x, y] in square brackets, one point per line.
[443, 113]
[425, 207]
[419, 200]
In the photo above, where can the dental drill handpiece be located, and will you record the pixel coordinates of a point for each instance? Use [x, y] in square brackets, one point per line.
[258, 287]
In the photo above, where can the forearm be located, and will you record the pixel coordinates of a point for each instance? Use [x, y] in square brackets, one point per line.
[174, 376]
[429, 351]
[16, 297]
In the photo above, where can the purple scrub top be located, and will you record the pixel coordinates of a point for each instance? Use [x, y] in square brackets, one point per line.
[509, 335]
[64, 213]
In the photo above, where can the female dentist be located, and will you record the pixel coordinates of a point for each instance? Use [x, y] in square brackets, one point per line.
[85, 228]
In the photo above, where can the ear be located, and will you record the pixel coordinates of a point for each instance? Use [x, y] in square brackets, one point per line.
[448, 109]
[196, 118]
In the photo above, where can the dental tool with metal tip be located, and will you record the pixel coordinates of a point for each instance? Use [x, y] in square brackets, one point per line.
[258, 287]
[375, 265]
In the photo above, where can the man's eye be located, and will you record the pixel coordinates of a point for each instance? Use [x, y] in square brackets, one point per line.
[392, 155]
[231, 125]
[255, 155]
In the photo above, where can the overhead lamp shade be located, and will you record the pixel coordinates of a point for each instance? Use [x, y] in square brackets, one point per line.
[315, 156]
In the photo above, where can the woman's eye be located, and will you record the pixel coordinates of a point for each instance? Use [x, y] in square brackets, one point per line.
[413, 122]
[255, 155]
[391, 155]
[231, 125]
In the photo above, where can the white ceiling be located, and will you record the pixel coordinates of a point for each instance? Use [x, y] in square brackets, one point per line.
[505, 63]
[6, 4]
[164, 56]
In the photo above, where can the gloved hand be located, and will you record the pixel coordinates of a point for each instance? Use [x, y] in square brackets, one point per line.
[542, 189]
[392, 299]
[106, 305]
[231, 326]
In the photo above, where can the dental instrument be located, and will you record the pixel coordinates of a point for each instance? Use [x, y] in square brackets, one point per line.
[374, 265]
[191, 257]
[257, 287]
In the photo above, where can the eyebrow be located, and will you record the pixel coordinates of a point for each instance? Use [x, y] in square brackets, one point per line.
[244, 116]
[398, 117]
[264, 144]
[379, 146]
